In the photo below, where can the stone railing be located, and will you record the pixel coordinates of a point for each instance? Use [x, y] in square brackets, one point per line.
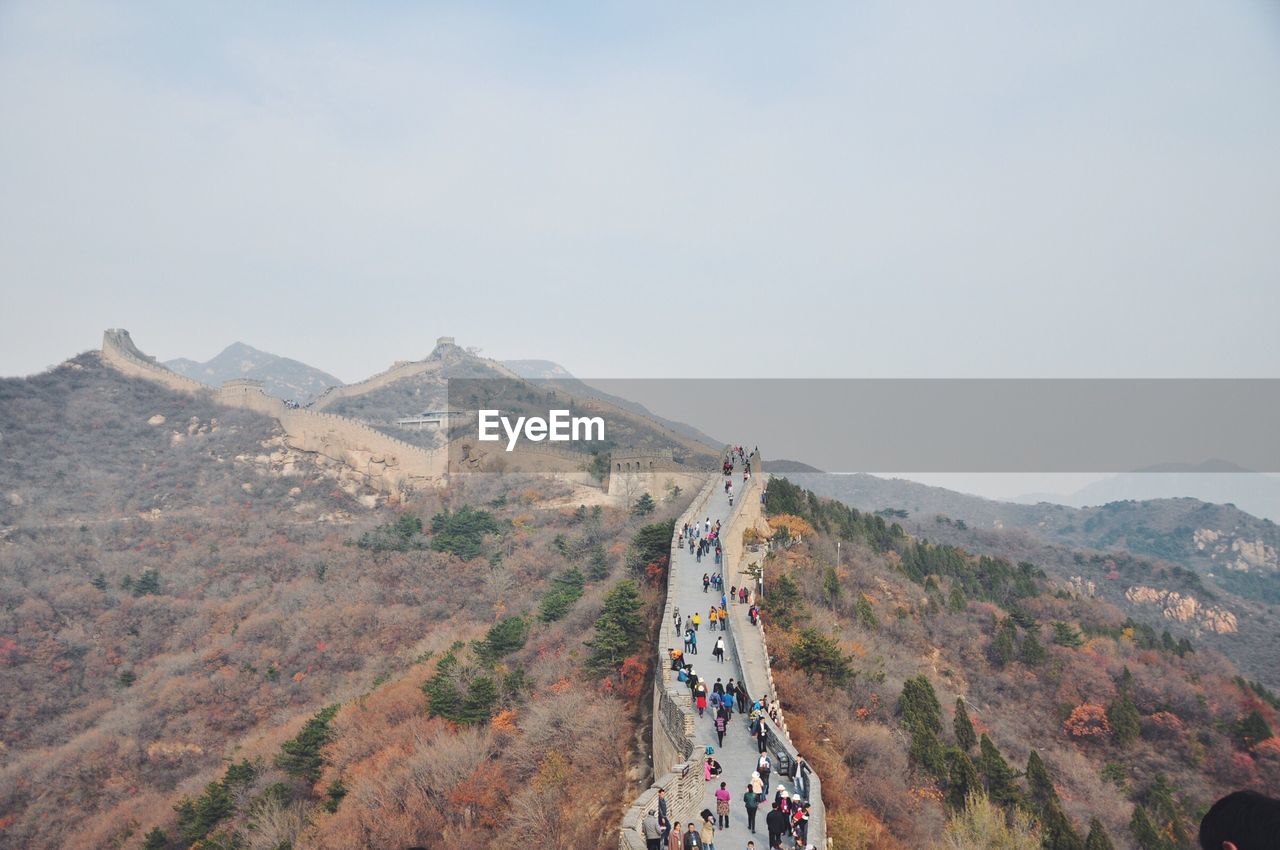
[675, 767]
[746, 643]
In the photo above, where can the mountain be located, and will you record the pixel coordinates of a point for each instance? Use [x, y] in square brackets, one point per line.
[208, 640]
[913, 671]
[1210, 568]
[1255, 493]
[545, 370]
[282, 377]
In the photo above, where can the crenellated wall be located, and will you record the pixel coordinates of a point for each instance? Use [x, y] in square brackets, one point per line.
[384, 462]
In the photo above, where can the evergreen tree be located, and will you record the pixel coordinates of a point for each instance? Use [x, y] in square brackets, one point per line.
[1003, 648]
[996, 774]
[831, 589]
[155, 840]
[919, 706]
[965, 736]
[503, 638]
[300, 756]
[819, 655]
[643, 506]
[957, 601]
[866, 615]
[962, 778]
[1098, 838]
[565, 590]
[1184, 648]
[597, 564]
[1144, 834]
[100, 583]
[619, 628]
[1032, 653]
[1125, 721]
[1064, 634]
[148, 584]
[1253, 729]
[1056, 831]
[1039, 783]
[926, 751]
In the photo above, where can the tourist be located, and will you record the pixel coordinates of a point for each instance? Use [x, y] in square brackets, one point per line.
[751, 801]
[722, 725]
[764, 767]
[675, 840]
[776, 823]
[708, 833]
[692, 840]
[652, 831]
[662, 814]
[722, 806]
[1243, 820]
[718, 652]
[762, 736]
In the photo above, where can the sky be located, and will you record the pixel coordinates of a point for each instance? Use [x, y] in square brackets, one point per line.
[648, 190]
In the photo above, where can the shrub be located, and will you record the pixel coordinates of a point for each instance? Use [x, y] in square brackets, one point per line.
[981, 825]
[1088, 721]
[462, 532]
[503, 638]
[403, 535]
[619, 630]
[566, 589]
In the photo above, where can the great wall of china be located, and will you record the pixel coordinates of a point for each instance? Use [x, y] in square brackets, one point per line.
[391, 465]
[676, 752]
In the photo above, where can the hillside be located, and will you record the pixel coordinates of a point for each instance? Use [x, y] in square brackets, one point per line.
[282, 377]
[915, 673]
[1235, 551]
[207, 637]
[410, 388]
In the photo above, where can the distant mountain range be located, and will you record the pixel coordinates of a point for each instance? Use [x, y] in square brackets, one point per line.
[1252, 492]
[282, 377]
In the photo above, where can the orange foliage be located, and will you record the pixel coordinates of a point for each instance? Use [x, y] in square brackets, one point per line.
[796, 526]
[1088, 720]
[505, 722]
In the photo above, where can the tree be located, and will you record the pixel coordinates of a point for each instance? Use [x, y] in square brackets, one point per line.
[100, 583]
[782, 601]
[919, 706]
[1253, 729]
[831, 587]
[1098, 838]
[649, 544]
[148, 584]
[819, 655]
[566, 589]
[300, 756]
[597, 564]
[155, 840]
[643, 506]
[1055, 829]
[996, 774]
[1064, 634]
[957, 601]
[1003, 648]
[619, 630]
[1039, 783]
[503, 638]
[926, 751]
[1144, 834]
[962, 778]
[1087, 720]
[866, 615]
[1126, 722]
[1032, 653]
[460, 692]
[965, 736]
[462, 532]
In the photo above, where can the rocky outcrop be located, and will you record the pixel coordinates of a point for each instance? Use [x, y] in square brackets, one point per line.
[1185, 608]
[1236, 553]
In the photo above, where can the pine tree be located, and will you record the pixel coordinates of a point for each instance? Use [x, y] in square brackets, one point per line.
[1125, 721]
[1144, 834]
[957, 601]
[962, 778]
[1032, 652]
[1098, 838]
[996, 774]
[100, 583]
[643, 506]
[1056, 830]
[926, 751]
[866, 614]
[155, 840]
[831, 589]
[965, 736]
[1003, 649]
[300, 756]
[1253, 728]
[597, 564]
[1039, 783]
[619, 628]
[919, 706]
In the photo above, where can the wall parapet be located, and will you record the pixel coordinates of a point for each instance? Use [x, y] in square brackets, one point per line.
[674, 744]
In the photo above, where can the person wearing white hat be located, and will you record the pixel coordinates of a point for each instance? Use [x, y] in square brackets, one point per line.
[757, 784]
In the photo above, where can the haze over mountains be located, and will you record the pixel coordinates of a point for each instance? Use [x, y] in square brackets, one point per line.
[282, 377]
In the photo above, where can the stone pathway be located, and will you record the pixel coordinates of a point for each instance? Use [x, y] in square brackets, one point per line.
[740, 753]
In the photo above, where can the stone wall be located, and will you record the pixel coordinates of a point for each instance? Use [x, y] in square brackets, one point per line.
[383, 462]
[675, 767]
[397, 372]
[747, 643]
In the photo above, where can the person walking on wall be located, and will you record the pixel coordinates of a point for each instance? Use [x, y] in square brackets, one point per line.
[751, 801]
[722, 806]
[708, 833]
[692, 840]
[718, 652]
[722, 726]
[675, 841]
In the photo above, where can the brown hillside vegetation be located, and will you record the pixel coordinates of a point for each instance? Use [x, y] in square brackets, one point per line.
[1077, 717]
[273, 665]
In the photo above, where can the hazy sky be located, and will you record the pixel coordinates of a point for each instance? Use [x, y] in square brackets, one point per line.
[852, 189]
